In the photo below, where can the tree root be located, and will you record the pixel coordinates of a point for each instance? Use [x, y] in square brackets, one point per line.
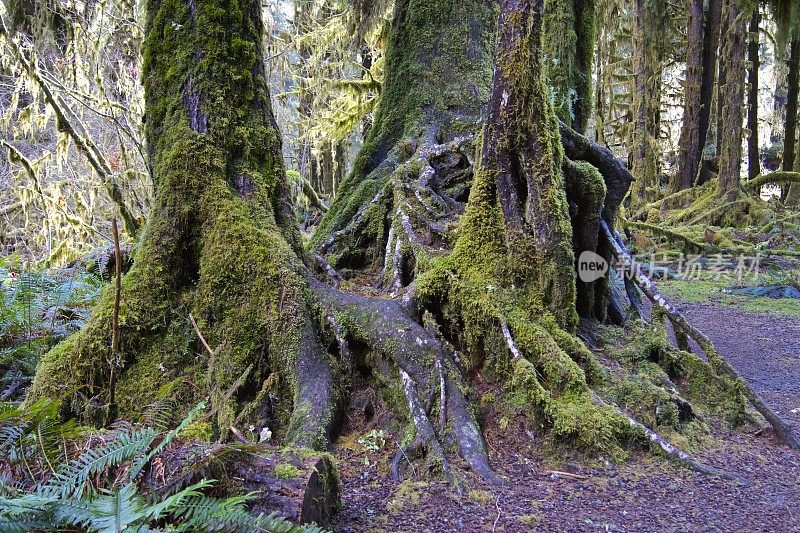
[424, 435]
[675, 453]
[782, 430]
[687, 244]
[413, 205]
[395, 339]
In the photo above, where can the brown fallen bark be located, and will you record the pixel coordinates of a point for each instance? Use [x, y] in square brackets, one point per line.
[298, 485]
[632, 270]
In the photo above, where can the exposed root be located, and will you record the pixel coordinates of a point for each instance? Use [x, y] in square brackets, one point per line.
[681, 456]
[407, 219]
[424, 439]
[315, 399]
[396, 340]
[334, 276]
[782, 430]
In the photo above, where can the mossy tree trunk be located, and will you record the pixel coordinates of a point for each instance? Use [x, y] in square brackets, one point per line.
[791, 135]
[411, 177]
[753, 158]
[570, 34]
[710, 47]
[790, 126]
[221, 243]
[702, 27]
[689, 148]
[646, 98]
[731, 96]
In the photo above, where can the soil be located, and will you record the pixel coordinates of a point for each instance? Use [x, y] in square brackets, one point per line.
[646, 493]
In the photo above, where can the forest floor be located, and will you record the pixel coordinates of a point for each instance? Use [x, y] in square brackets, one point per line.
[646, 493]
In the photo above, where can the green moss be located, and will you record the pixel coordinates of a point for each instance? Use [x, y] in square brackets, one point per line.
[480, 496]
[711, 292]
[438, 77]
[218, 243]
[406, 495]
[201, 431]
[286, 471]
[569, 35]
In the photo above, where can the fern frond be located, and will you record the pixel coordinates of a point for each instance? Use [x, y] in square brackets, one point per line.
[71, 477]
[175, 504]
[113, 510]
[201, 513]
[15, 525]
[167, 440]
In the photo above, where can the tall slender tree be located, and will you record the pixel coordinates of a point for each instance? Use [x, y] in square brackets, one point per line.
[731, 95]
[646, 96]
[710, 64]
[753, 158]
[570, 33]
[790, 128]
[689, 148]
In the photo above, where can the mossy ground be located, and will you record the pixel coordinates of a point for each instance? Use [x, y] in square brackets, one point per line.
[712, 292]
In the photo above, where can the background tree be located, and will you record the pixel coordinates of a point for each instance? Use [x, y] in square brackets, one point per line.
[569, 45]
[753, 158]
[731, 95]
[646, 100]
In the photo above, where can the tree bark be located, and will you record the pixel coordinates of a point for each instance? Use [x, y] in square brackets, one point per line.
[569, 41]
[753, 159]
[710, 46]
[790, 128]
[731, 102]
[300, 486]
[221, 244]
[411, 177]
[646, 100]
[689, 146]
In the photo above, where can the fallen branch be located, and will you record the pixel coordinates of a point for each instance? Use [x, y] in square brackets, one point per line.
[313, 197]
[782, 430]
[565, 474]
[773, 177]
[680, 456]
[686, 243]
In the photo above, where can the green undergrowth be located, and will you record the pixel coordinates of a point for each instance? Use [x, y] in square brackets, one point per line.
[62, 477]
[712, 292]
[697, 219]
[38, 308]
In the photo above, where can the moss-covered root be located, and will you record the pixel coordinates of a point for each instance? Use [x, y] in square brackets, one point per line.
[316, 395]
[422, 364]
[586, 190]
[782, 429]
[400, 214]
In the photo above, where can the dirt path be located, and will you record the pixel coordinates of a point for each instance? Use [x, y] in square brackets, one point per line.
[764, 349]
[644, 494]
